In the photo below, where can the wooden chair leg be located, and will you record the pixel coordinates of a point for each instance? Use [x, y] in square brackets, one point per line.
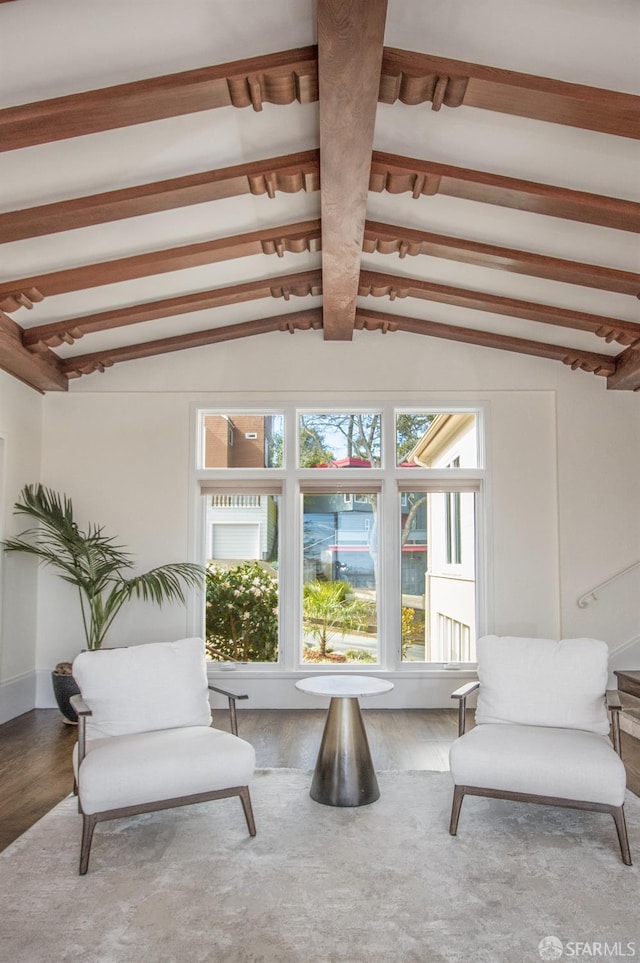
[623, 837]
[458, 796]
[88, 825]
[245, 798]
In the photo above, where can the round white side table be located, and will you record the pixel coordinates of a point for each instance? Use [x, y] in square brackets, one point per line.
[344, 773]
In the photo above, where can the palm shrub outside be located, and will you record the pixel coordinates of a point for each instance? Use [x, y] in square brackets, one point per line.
[329, 610]
[241, 614]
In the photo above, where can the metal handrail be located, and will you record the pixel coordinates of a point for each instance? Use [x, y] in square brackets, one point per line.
[591, 596]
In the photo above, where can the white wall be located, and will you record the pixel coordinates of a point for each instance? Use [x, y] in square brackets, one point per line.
[20, 444]
[562, 451]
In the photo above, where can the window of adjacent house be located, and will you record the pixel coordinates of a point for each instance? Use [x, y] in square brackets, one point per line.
[244, 440]
[296, 574]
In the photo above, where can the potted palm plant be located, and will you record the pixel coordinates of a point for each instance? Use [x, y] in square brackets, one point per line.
[100, 569]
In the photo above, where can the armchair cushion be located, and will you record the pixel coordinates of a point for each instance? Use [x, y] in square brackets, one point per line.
[146, 767]
[161, 685]
[543, 682]
[539, 761]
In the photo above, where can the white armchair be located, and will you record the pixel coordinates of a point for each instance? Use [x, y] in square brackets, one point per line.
[145, 740]
[542, 729]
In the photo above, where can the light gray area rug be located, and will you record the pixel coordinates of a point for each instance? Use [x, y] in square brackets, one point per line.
[384, 882]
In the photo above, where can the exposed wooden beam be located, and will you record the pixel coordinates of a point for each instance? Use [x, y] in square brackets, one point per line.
[100, 360]
[284, 286]
[44, 373]
[294, 238]
[416, 78]
[626, 377]
[391, 239]
[399, 175]
[283, 77]
[290, 173]
[395, 286]
[599, 364]
[278, 78]
[350, 40]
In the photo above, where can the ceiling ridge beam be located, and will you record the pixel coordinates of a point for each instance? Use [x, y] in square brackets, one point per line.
[391, 239]
[302, 284]
[575, 358]
[423, 178]
[288, 174]
[350, 43]
[286, 238]
[100, 360]
[277, 78]
[417, 78]
[378, 284]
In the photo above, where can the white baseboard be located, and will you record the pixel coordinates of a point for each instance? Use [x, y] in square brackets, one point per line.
[17, 696]
[45, 698]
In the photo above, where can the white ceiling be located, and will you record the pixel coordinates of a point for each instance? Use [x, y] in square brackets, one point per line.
[49, 49]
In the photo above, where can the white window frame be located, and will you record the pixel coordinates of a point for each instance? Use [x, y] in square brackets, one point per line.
[389, 479]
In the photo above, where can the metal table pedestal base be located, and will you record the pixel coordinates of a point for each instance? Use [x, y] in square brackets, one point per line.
[344, 773]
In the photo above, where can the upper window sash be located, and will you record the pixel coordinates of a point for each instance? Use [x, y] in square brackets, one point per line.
[240, 440]
[344, 439]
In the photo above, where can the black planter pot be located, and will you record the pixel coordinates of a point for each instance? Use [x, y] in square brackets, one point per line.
[64, 686]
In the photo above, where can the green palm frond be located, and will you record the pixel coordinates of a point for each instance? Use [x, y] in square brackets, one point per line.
[165, 583]
[93, 562]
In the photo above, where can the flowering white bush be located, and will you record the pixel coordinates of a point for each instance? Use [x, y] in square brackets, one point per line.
[242, 614]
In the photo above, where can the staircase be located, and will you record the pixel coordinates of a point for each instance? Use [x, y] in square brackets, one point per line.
[629, 688]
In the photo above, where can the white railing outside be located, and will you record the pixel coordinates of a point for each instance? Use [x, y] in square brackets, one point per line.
[235, 501]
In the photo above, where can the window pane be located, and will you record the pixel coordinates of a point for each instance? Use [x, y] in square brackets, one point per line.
[445, 440]
[339, 440]
[242, 578]
[339, 591]
[437, 536]
[243, 441]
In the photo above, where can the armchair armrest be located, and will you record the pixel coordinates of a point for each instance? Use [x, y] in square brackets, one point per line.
[461, 694]
[80, 706]
[82, 710]
[614, 705]
[232, 697]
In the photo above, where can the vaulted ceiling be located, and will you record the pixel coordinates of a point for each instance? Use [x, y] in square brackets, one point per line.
[346, 184]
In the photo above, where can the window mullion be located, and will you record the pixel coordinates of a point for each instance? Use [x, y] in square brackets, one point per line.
[389, 597]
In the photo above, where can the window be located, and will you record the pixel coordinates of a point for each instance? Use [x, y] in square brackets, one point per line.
[339, 578]
[434, 594]
[241, 609]
[339, 440]
[340, 538]
[244, 440]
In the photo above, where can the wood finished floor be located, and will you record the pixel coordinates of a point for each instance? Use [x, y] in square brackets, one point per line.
[35, 751]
